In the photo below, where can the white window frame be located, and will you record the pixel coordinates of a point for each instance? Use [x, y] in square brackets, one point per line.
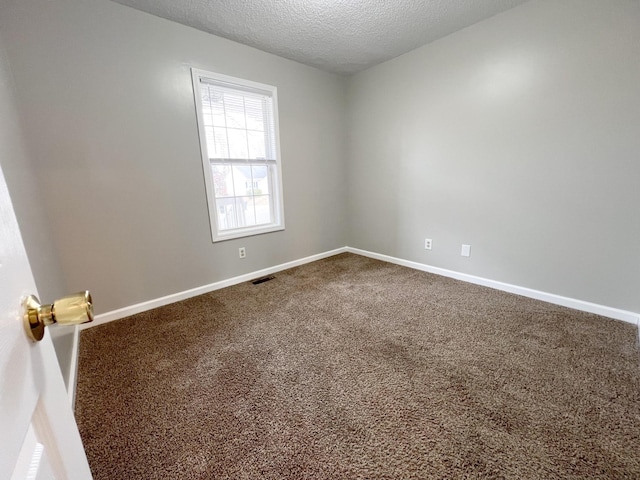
[274, 170]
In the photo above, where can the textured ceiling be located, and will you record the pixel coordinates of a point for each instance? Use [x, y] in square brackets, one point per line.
[341, 36]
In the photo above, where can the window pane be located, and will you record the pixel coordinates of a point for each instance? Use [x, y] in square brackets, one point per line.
[245, 211]
[217, 109]
[255, 113]
[212, 107]
[237, 143]
[211, 144]
[263, 209]
[234, 110]
[206, 116]
[222, 180]
[226, 213]
[256, 145]
[218, 147]
[260, 179]
[242, 179]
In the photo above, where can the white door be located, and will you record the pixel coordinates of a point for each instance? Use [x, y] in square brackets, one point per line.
[39, 438]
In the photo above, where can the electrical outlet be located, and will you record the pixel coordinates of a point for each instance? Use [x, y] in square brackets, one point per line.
[242, 252]
[466, 251]
[428, 243]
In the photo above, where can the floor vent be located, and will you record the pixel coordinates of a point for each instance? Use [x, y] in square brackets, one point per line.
[263, 279]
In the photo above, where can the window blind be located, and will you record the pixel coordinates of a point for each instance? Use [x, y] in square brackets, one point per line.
[238, 124]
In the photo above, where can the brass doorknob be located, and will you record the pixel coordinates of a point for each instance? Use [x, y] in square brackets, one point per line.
[70, 310]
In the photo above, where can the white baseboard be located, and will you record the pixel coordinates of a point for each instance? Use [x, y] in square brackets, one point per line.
[194, 292]
[603, 310]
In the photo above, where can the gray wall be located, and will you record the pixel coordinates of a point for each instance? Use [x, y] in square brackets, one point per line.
[25, 194]
[105, 94]
[519, 135]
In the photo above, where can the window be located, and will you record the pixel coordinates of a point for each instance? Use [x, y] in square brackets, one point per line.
[238, 126]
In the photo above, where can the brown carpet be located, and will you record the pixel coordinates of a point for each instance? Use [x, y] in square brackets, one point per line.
[351, 368]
